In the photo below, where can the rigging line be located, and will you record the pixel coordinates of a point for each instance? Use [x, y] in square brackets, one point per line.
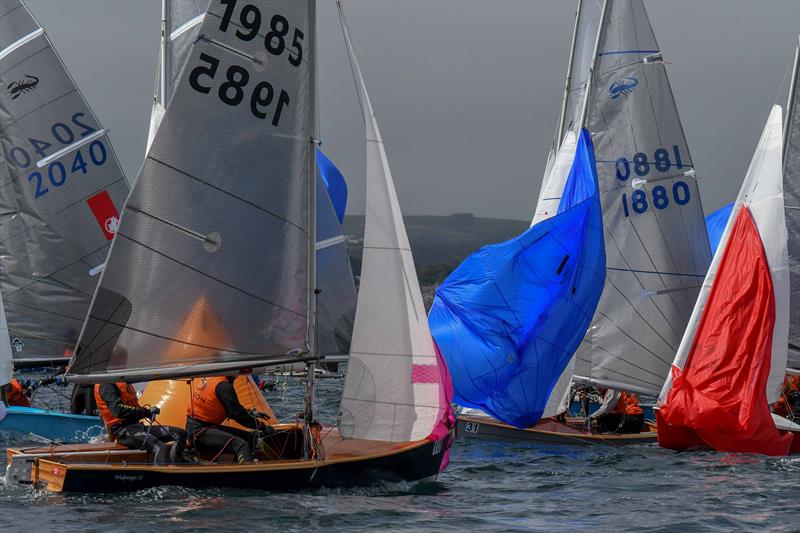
[348, 45]
[228, 193]
[634, 379]
[621, 254]
[701, 276]
[221, 282]
[677, 332]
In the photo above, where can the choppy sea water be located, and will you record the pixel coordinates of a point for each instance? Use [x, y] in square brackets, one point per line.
[488, 486]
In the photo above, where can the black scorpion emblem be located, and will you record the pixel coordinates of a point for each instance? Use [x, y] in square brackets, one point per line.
[24, 85]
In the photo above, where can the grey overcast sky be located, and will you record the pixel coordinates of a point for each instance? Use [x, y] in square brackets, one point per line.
[467, 93]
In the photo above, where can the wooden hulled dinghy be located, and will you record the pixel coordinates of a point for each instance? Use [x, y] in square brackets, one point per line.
[203, 244]
[549, 431]
[113, 468]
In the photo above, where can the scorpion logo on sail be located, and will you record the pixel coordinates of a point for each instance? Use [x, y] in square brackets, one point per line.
[25, 85]
[624, 86]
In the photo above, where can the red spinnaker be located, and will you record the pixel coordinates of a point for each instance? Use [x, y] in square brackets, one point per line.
[719, 399]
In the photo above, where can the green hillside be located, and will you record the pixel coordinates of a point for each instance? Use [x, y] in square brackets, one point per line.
[439, 243]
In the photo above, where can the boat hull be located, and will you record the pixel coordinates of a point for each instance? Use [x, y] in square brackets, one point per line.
[547, 431]
[23, 422]
[101, 471]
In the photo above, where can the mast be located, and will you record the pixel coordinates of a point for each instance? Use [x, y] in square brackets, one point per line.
[790, 103]
[312, 292]
[600, 31]
[162, 64]
[568, 82]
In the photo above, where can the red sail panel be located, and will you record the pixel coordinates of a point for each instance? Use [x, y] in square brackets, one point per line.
[105, 213]
[718, 400]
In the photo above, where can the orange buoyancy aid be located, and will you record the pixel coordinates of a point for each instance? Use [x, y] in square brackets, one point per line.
[15, 394]
[628, 404]
[128, 397]
[204, 405]
[791, 385]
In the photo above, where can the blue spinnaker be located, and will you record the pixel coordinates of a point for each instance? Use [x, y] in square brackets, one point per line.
[510, 317]
[715, 225]
[334, 183]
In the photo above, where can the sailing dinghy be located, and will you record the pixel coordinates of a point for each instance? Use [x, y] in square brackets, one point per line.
[656, 247]
[224, 202]
[732, 359]
[60, 190]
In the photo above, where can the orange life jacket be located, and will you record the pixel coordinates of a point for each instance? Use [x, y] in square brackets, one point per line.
[204, 405]
[128, 396]
[791, 385]
[15, 394]
[628, 404]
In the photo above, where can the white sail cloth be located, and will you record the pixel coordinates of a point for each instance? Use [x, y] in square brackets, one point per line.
[762, 193]
[393, 389]
[657, 249]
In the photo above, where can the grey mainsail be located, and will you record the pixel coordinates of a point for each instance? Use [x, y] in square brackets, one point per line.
[181, 20]
[656, 243]
[336, 300]
[791, 195]
[60, 190]
[213, 265]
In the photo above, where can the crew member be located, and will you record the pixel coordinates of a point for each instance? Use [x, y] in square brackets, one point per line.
[17, 394]
[214, 400]
[788, 406]
[619, 413]
[120, 410]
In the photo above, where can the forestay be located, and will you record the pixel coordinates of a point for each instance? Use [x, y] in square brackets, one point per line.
[180, 24]
[212, 268]
[791, 196]
[657, 249]
[395, 389]
[60, 190]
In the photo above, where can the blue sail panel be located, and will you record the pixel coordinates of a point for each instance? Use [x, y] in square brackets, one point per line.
[335, 184]
[510, 317]
[715, 225]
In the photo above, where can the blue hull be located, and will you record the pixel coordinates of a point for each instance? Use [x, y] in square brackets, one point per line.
[24, 422]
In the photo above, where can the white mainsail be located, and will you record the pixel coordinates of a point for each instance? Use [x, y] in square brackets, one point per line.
[393, 389]
[791, 191]
[60, 190]
[657, 249]
[213, 265]
[762, 194]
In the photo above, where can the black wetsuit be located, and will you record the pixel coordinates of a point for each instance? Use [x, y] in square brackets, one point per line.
[135, 435]
[212, 438]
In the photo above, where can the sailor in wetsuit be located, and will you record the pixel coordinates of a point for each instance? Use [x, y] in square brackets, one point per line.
[120, 410]
[214, 400]
[619, 413]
